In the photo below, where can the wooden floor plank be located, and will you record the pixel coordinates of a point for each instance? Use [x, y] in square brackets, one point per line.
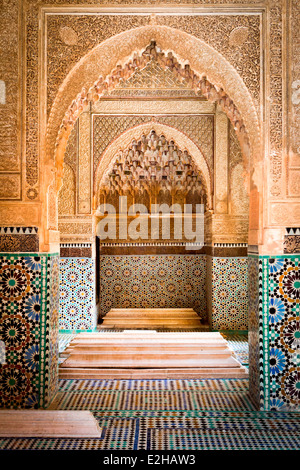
[48, 423]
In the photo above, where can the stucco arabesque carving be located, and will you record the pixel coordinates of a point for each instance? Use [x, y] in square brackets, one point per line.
[182, 70]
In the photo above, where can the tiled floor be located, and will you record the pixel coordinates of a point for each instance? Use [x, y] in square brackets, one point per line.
[174, 415]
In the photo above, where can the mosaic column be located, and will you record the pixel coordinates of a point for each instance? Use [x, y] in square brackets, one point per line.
[274, 332]
[29, 296]
[77, 305]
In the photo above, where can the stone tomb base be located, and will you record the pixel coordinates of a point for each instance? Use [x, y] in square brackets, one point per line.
[150, 354]
[152, 318]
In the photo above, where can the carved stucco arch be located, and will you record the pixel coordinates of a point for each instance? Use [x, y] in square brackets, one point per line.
[117, 50]
[124, 140]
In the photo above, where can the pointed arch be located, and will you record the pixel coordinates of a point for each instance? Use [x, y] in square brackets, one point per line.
[104, 66]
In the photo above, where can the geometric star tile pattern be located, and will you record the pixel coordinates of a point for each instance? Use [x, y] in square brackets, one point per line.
[153, 281]
[28, 329]
[214, 414]
[77, 294]
[229, 293]
[284, 331]
[274, 332]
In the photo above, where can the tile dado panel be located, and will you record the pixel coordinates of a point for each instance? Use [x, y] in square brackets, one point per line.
[228, 293]
[274, 341]
[153, 281]
[29, 295]
[77, 294]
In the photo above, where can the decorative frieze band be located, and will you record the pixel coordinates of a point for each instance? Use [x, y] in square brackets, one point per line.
[291, 242]
[200, 245]
[292, 231]
[75, 250]
[75, 245]
[219, 250]
[231, 245]
[18, 230]
[19, 240]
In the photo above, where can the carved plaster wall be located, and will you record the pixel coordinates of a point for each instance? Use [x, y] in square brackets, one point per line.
[239, 37]
[10, 159]
[114, 133]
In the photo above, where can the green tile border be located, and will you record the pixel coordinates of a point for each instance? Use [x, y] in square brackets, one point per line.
[77, 331]
[284, 255]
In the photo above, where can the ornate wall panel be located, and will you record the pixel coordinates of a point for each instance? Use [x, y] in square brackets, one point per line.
[32, 105]
[158, 106]
[294, 18]
[10, 186]
[70, 36]
[238, 178]
[240, 37]
[76, 250]
[67, 194]
[216, 30]
[20, 215]
[229, 293]
[276, 98]
[76, 227]
[77, 294]
[221, 163]
[19, 239]
[84, 165]
[29, 327]
[153, 81]
[235, 36]
[153, 281]
[10, 157]
[294, 100]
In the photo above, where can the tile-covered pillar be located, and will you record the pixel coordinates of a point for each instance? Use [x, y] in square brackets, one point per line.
[274, 333]
[77, 305]
[227, 292]
[29, 298]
